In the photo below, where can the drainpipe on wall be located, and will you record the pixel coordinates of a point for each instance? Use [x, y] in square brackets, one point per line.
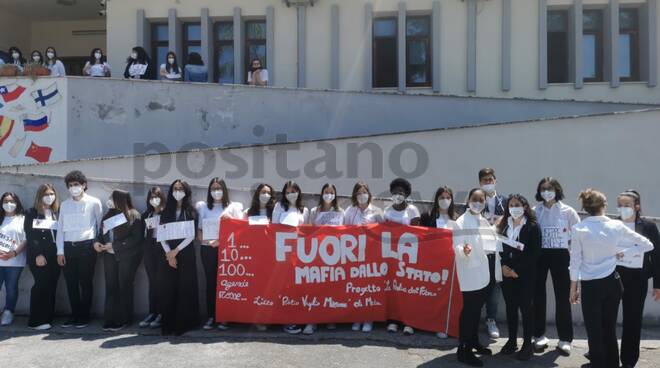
[301, 16]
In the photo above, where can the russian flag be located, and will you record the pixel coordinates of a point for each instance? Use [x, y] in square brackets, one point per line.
[35, 122]
[11, 92]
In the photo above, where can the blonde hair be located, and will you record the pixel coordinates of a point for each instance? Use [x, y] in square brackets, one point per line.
[39, 202]
[593, 201]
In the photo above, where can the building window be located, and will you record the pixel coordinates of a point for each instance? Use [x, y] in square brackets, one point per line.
[418, 51]
[592, 45]
[558, 47]
[224, 52]
[385, 52]
[255, 43]
[160, 43]
[629, 44]
[192, 40]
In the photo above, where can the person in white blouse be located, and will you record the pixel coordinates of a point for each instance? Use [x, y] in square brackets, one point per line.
[97, 65]
[474, 239]
[17, 59]
[170, 70]
[257, 76]
[216, 206]
[54, 64]
[362, 212]
[597, 243]
[12, 257]
[263, 202]
[78, 226]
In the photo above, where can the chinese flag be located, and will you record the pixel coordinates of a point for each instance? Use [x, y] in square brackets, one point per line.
[39, 153]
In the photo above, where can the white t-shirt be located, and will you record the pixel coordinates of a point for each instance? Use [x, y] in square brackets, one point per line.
[556, 223]
[279, 214]
[13, 227]
[174, 75]
[401, 217]
[98, 70]
[356, 216]
[234, 210]
[329, 218]
[264, 75]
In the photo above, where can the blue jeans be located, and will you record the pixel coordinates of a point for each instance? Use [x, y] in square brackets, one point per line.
[9, 277]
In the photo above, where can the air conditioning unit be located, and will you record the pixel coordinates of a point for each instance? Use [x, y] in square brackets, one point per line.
[290, 3]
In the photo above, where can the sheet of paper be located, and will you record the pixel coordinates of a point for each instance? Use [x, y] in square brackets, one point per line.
[554, 237]
[258, 220]
[512, 243]
[44, 224]
[330, 218]
[74, 222]
[441, 223]
[632, 258]
[113, 222]
[291, 219]
[7, 243]
[211, 228]
[176, 230]
[152, 222]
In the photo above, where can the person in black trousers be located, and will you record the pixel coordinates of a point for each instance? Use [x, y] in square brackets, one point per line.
[121, 251]
[153, 253]
[635, 275]
[42, 256]
[177, 275]
[518, 271]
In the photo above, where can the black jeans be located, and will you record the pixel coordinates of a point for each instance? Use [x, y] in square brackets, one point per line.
[79, 276]
[210, 262]
[473, 301]
[177, 293]
[600, 306]
[119, 288]
[42, 295]
[153, 253]
[518, 297]
[556, 261]
[635, 286]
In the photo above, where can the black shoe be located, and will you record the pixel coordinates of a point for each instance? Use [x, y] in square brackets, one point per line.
[69, 322]
[116, 328]
[482, 350]
[82, 323]
[106, 327]
[466, 356]
[526, 352]
[509, 348]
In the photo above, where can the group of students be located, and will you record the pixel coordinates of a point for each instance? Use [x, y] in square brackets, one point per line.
[497, 240]
[138, 66]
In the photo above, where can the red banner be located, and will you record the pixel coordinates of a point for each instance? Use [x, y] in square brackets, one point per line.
[277, 274]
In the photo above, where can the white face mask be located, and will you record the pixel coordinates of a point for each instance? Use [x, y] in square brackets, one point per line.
[170, 60]
[134, 55]
[444, 203]
[264, 198]
[76, 190]
[15, 56]
[548, 195]
[516, 212]
[179, 195]
[292, 197]
[363, 198]
[217, 194]
[36, 58]
[48, 199]
[328, 198]
[9, 207]
[110, 204]
[626, 213]
[476, 207]
[398, 198]
[50, 55]
[154, 202]
[488, 188]
[98, 56]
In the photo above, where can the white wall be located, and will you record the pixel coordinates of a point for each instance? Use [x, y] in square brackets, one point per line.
[14, 31]
[58, 35]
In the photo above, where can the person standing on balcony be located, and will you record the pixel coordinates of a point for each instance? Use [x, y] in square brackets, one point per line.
[12, 260]
[153, 254]
[37, 58]
[170, 70]
[257, 76]
[17, 58]
[97, 65]
[195, 70]
[138, 65]
[54, 64]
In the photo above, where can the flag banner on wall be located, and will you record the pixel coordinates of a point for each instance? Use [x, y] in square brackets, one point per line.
[279, 274]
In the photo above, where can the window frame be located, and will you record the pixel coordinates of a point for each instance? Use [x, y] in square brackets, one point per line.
[429, 57]
[218, 44]
[374, 47]
[635, 50]
[256, 42]
[156, 44]
[600, 47]
[187, 44]
[567, 34]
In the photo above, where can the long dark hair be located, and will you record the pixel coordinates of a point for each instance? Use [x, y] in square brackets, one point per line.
[169, 213]
[252, 68]
[195, 58]
[504, 222]
[92, 59]
[19, 206]
[54, 59]
[634, 194]
[285, 202]
[41, 57]
[334, 205]
[225, 193]
[359, 185]
[174, 66]
[124, 203]
[435, 209]
[142, 56]
[13, 49]
[255, 205]
[156, 192]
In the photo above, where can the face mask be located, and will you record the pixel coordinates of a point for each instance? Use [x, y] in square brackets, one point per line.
[9, 207]
[134, 55]
[15, 55]
[76, 190]
[110, 204]
[626, 212]
[97, 55]
[444, 203]
[516, 212]
[476, 207]
[36, 58]
[50, 55]
[548, 195]
[398, 198]
[170, 60]
[154, 202]
[328, 198]
[179, 195]
[488, 188]
[363, 198]
[48, 199]
[217, 194]
[292, 197]
[264, 198]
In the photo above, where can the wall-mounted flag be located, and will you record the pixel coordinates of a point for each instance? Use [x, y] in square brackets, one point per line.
[6, 126]
[47, 96]
[39, 153]
[11, 92]
[35, 122]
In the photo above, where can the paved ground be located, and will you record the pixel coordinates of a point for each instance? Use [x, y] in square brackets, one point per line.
[244, 347]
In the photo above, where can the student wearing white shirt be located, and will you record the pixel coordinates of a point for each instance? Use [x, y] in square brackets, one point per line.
[153, 254]
[97, 65]
[37, 58]
[474, 238]
[597, 244]
[53, 63]
[78, 225]
[263, 202]
[17, 59]
[42, 257]
[556, 220]
[217, 206]
[120, 248]
[177, 278]
[12, 260]
[257, 76]
[170, 70]
[291, 211]
[401, 212]
[635, 275]
[362, 212]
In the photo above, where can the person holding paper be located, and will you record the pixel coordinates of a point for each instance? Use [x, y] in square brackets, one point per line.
[635, 275]
[78, 224]
[401, 212]
[362, 212]
[519, 268]
[153, 254]
[12, 257]
[216, 206]
[170, 70]
[177, 278]
[138, 65]
[119, 245]
[474, 238]
[597, 243]
[556, 220]
[40, 230]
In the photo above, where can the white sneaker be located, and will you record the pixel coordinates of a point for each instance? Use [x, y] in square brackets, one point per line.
[564, 347]
[441, 335]
[309, 329]
[356, 326]
[407, 330]
[223, 326]
[541, 342]
[44, 327]
[367, 327]
[209, 324]
[493, 331]
[7, 318]
[392, 327]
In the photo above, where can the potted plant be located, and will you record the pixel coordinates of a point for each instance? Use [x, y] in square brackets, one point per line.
[8, 70]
